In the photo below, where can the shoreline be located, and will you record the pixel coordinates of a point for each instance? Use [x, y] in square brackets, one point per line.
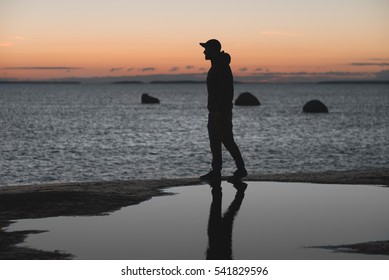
[102, 198]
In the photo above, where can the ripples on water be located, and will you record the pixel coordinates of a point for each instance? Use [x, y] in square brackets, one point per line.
[69, 132]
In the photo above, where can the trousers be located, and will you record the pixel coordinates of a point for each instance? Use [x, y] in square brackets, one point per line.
[220, 132]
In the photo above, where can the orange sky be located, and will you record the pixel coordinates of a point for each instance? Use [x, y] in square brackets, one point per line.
[51, 38]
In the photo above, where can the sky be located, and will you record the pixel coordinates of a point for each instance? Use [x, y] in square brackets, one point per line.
[289, 39]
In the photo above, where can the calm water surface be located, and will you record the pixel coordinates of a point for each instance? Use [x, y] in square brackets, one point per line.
[67, 133]
[267, 221]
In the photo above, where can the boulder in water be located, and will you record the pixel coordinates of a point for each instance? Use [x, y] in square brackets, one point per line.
[147, 99]
[247, 99]
[315, 106]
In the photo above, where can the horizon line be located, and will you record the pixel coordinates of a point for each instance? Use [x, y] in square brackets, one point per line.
[339, 81]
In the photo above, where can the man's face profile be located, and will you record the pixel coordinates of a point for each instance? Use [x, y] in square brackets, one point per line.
[209, 53]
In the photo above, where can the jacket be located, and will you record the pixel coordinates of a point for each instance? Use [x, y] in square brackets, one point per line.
[220, 84]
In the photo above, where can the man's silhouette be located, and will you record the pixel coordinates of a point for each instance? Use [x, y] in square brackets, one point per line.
[220, 87]
[220, 226]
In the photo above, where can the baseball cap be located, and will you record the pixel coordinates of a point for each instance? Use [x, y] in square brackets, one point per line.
[212, 44]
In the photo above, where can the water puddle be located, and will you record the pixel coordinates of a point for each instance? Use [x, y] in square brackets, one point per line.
[267, 220]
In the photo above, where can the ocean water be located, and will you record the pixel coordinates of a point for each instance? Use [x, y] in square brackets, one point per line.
[89, 132]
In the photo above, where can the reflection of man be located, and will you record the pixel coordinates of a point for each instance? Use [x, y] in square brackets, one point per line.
[220, 95]
[220, 227]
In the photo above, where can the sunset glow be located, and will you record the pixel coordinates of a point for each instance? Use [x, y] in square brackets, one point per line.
[45, 39]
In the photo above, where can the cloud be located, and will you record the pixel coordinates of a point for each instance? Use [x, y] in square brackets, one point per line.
[281, 34]
[189, 67]
[115, 69]
[381, 64]
[312, 74]
[11, 43]
[147, 69]
[130, 69]
[18, 38]
[174, 69]
[244, 69]
[328, 73]
[43, 68]
[6, 44]
[379, 59]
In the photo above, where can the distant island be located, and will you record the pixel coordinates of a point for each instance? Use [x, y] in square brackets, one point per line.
[39, 82]
[354, 82]
[128, 82]
[185, 82]
[178, 82]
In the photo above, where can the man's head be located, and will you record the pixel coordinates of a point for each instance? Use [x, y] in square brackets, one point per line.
[211, 48]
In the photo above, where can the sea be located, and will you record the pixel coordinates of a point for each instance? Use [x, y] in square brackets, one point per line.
[53, 133]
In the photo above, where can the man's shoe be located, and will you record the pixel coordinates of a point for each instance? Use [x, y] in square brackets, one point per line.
[211, 175]
[238, 174]
[240, 186]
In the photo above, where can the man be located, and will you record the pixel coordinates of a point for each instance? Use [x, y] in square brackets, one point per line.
[220, 95]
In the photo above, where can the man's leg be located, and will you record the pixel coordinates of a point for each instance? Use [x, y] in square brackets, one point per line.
[235, 152]
[215, 143]
[224, 127]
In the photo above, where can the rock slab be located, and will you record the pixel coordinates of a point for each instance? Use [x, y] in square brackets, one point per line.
[147, 99]
[315, 106]
[247, 99]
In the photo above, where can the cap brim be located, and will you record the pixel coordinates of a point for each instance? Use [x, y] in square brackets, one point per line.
[203, 45]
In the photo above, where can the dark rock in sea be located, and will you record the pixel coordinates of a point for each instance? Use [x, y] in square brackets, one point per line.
[315, 106]
[247, 99]
[147, 99]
